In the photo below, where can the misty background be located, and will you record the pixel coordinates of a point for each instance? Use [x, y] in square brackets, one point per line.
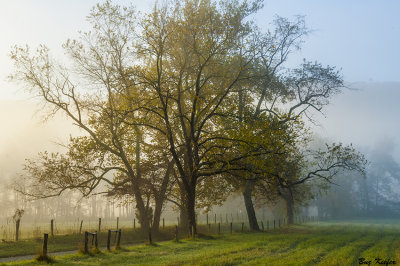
[360, 37]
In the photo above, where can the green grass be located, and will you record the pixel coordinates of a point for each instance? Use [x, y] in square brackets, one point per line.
[75, 242]
[311, 244]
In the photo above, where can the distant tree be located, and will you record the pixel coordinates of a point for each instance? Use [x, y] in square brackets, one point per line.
[17, 220]
[317, 169]
[374, 195]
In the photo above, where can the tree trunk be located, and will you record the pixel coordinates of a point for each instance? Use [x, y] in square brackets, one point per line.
[191, 214]
[188, 221]
[251, 214]
[160, 198]
[144, 217]
[157, 215]
[289, 209]
[183, 218]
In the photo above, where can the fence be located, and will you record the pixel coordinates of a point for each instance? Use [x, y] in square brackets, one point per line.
[36, 230]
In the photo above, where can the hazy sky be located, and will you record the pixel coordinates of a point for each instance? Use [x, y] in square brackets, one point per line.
[360, 36]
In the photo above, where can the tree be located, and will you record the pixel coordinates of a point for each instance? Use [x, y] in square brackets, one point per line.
[98, 95]
[17, 219]
[310, 169]
[191, 65]
[285, 95]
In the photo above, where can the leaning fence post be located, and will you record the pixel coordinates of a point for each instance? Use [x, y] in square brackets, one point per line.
[118, 239]
[46, 236]
[108, 240]
[80, 228]
[52, 227]
[86, 242]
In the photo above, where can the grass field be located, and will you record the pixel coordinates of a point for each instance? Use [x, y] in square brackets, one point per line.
[323, 243]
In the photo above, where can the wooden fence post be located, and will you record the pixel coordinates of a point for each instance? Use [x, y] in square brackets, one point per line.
[52, 227]
[134, 224]
[193, 234]
[86, 242]
[207, 218]
[176, 233]
[96, 242]
[267, 224]
[99, 224]
[242, 227]
[163, 223]
[262, 226]
[209, 228]
[80, 228]
[17, 223]
[118, 239]
[219, 228]
[108, 240]
[215, 218]
[117, 223]
[46, 236]
[231, 227]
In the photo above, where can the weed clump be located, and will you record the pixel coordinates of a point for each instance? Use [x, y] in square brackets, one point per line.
[44, 258]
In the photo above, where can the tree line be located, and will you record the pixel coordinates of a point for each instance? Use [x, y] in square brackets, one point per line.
[186, 104]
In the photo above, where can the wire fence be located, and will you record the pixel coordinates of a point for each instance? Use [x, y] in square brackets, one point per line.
[208, 224]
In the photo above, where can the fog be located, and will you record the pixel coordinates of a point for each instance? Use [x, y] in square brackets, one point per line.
[364, 115]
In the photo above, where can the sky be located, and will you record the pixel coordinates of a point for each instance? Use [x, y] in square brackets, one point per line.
[360, 37]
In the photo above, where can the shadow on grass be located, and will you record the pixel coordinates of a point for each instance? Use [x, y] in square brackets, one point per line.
[152, 244]
[205, 237]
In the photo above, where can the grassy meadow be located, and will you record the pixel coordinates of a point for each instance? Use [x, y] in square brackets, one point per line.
[317, 243]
